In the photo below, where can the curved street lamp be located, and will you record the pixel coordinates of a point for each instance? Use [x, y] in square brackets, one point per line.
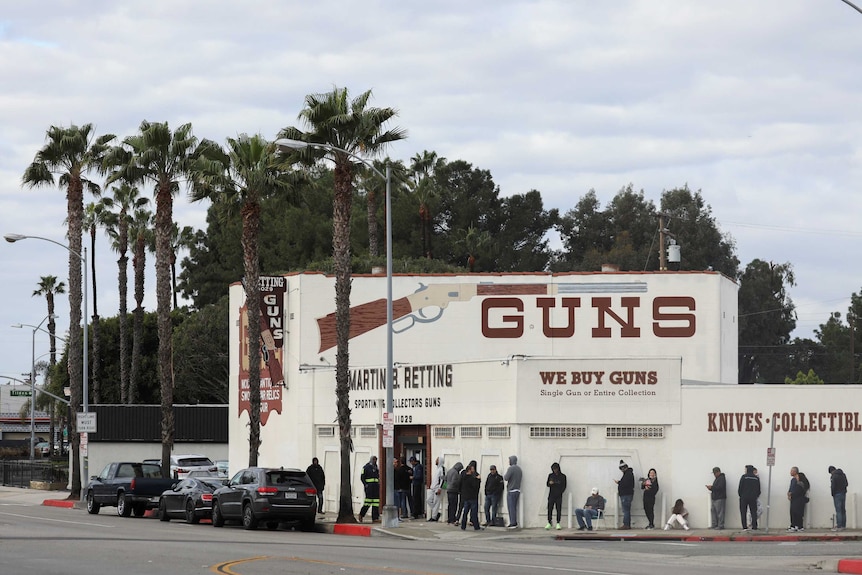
[33, 381]
[389, 514]
[12, 238]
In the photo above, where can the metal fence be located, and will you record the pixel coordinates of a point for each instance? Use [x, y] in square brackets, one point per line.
[19, 473]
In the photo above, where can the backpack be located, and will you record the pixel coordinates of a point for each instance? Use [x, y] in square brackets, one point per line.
[498, 522]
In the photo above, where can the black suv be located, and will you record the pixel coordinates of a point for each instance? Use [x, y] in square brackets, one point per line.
[259, 494]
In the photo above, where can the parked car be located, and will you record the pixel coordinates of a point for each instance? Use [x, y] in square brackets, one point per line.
[222, 465]
[129, 486]
[189, 499]
[42, 448]
[271, 496]
[182, 464]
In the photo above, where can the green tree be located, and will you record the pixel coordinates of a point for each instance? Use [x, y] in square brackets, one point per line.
[49, 287]
[804, 379]
[766, 318]
[96, 215]
[71, 153]
[202, 341]
[346, 127]
[181, 239]
[239, 179]
[522, 244]
[141, 233]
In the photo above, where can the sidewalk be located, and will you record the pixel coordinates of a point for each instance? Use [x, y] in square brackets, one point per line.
[422, 530]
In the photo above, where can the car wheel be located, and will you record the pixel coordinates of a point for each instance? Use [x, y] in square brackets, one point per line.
[163, 511]
[123, 507]
[191, 515]
[218, 520]
[272, 525]
[92, 506]
[139, 510]
[249, 521]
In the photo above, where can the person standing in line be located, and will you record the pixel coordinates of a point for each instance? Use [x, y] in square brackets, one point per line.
[679, 514]
[649, 484]
[435, 491]
[470, 484]
[626, 491]
[718, 494]
[556, 486]
[796, 494]
[838, 486]
[417, 484]
[748, 491]
[461, 495]
[493, 495]
[453, 491]
[371, 482]
[401, 481]
[318, 478]
[585, 515]
[513, 490]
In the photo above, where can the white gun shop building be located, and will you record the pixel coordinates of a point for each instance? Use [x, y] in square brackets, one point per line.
[583, 369]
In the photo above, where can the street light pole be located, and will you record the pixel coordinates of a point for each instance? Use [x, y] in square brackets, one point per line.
[389, 514]
[33, 383]
[12, 238]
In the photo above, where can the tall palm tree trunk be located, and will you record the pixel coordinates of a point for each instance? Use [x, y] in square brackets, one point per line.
[371, 208]
[138, 263]
[341, 257]
[123, 282]
[75, 200]
[251, 265]
[163, 223]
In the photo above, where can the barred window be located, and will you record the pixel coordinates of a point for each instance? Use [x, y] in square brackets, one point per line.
[635, 432]
[444, 431]
[471, 431]
[547, 432]
[368, 432]
[499, 431]
[326, 431]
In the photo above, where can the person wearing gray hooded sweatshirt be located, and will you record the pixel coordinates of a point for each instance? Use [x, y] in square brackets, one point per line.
[453, 489]
[513, 490]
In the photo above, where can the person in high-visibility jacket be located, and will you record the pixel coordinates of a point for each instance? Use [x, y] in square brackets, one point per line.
[371, 480]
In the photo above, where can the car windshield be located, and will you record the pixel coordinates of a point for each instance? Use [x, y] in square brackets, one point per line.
[211, 483]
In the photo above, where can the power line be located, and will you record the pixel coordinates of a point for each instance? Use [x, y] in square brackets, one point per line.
[797, 230]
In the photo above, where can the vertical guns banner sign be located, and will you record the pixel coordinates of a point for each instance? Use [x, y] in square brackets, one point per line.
[272, 290]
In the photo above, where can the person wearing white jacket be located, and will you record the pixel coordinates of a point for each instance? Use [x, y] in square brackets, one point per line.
[435, 491]
[678, 514]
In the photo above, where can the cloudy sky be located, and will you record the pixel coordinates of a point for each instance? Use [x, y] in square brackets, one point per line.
[756, 104]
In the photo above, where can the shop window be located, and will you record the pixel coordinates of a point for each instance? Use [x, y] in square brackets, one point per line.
[368, 432]
[548, 432]
[471, 431]
[326, 431]
[635, 432]
[444, 431]
[499, 431]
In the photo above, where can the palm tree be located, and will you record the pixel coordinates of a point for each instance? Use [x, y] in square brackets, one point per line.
[162, 158]
[350, 128]
[472, 240]
[372, 183]
[95, 215]
[424, 188]
[126, 199]
[140, 232]
[71, 153]
[180, 239]
[239, 180]
[49, 287]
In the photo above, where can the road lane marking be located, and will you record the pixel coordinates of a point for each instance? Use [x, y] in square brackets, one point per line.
[226, 567]
[55, 520]
[528, 566]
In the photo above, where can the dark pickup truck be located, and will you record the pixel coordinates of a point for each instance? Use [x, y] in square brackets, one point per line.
[131, 487]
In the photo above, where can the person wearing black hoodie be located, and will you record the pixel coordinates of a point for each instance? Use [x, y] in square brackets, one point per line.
[626, 491]
[470, 484]
[748, 491]
[838, 484]
[556, 486]
[649, 484]
[453, 491]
